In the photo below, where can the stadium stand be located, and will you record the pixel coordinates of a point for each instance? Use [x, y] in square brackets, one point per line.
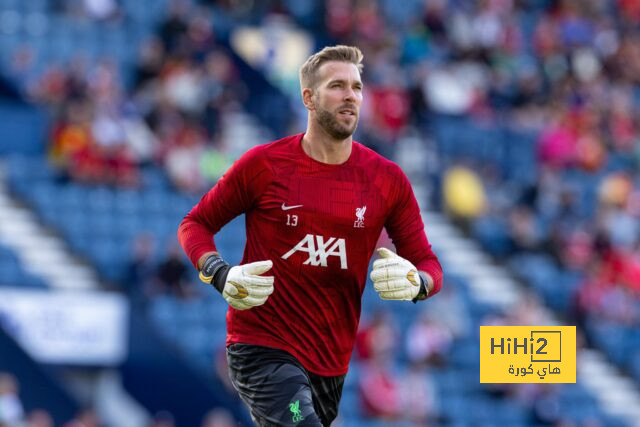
[536, 97]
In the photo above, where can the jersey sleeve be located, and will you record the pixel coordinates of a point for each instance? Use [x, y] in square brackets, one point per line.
[234, 194]
[406, 229]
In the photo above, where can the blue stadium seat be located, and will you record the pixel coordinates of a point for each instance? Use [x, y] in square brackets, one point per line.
[492, 233]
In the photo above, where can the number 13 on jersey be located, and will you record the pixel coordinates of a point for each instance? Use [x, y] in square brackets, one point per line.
[292, 220]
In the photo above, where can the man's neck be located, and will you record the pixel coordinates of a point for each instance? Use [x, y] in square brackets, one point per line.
[318, 145]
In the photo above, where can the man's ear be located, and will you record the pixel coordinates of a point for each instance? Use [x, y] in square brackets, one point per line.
[307, 99]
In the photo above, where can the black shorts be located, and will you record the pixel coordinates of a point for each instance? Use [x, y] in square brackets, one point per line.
[279, 390]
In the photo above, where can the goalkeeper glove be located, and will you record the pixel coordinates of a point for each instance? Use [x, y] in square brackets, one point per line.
[395, 278]
[241, 286]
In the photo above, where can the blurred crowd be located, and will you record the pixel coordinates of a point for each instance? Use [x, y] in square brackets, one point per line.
[13, 413]
[394, 391]
[566, 70]
[396, 368]
[149, 275]
[169, 112]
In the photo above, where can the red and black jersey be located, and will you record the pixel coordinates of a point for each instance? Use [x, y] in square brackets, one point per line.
[319, 224]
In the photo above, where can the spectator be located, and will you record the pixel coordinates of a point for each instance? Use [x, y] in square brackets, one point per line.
[11, 410]
[141, 275]
[174, 27]
[221, 369]
[85, 418]
[150, 62]
[464, 194]
[380, 391]
[376, 338]
[219, 417]
[162, 419]
[450, 311]
[419, 396]
[173, 273]
[39, 418]
[525, 231]
[101, 10]
[428, 342]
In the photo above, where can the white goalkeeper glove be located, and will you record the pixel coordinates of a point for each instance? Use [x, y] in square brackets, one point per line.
[241, 286]
[395, 278]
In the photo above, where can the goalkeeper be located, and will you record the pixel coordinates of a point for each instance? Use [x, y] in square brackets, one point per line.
[315, 204]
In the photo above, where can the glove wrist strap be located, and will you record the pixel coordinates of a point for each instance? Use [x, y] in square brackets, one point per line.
[220, 278]
[216, 268]
[424, 292]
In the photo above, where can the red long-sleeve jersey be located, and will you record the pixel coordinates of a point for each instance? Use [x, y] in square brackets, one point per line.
[319, 224]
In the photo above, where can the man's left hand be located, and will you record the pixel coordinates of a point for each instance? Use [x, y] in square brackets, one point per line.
[395, 278]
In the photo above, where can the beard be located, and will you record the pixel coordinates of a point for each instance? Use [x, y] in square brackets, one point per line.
[333, 127]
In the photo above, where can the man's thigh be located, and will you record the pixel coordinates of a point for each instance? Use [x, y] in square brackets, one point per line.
[327, 392]
[274, 386]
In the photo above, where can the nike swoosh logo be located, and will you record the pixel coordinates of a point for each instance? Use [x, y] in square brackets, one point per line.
[286, 208]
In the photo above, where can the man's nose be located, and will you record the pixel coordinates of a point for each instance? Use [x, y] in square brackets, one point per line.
[350, 95]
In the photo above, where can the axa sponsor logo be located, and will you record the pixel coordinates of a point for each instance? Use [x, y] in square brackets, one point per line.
[320, 250]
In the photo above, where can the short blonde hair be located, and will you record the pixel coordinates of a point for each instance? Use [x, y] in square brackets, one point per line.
[309, 70]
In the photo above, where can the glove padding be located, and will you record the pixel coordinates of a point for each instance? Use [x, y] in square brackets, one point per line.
[395, 278]
[244, 288]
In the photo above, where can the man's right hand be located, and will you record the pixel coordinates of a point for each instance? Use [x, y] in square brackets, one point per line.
[245, 287]
[241, 286]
